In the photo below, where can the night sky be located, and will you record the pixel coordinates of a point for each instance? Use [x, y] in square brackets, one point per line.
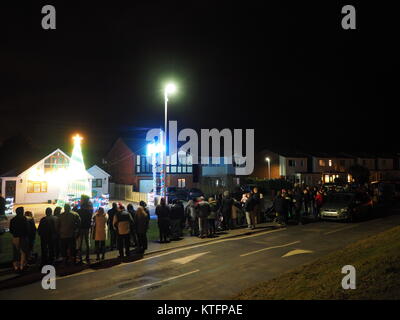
[289, 71]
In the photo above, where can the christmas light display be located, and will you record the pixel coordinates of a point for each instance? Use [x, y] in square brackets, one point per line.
[76, 183]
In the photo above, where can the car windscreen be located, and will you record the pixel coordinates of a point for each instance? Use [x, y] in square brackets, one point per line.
[340, 197]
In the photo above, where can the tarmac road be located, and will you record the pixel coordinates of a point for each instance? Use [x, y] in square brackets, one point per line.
[214, 270]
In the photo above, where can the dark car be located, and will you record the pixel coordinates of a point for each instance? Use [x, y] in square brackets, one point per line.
[195, 193]
[177, 193]
[348, 206]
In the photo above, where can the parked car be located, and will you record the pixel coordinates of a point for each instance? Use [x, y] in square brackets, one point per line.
[195, 193]
[348, 206]
[177, 193]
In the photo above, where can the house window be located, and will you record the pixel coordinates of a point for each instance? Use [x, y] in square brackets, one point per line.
[330, 163]
[302, 163]
[37, 187]
[291, 163]
[55, 161]
[181, 183]
[321, 163]
[97, 183]
[143, 165]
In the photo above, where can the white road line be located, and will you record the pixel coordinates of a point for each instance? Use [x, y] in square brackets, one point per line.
[341, 229]
[269, 248]
[179, 250]
[146, 285]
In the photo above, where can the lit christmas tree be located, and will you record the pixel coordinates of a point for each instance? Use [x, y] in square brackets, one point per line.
[77, 181]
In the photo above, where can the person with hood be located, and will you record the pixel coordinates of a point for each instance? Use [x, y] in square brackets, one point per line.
[141, 224]
[122, 224]
[226, 210]
[47, 231]
[162, 213]
[31, 236]
[204, 211]
[132, 212]
[68, 229]
[100, 233]
[177, 215]
[19, 230]
[113, 235]
[212, 216]
[191, 218]
[86, 214]
[57, 244]
[281, 207]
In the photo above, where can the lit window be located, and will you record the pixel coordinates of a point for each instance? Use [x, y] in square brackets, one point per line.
[321, 163]
[181, 183]
[330, 163]
[37, 187]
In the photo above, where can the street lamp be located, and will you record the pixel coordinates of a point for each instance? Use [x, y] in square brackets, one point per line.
[170, 88]
[269, 167]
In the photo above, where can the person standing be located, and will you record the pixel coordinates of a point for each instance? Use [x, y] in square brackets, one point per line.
[68, 229]
[122, 224]
[281, 207]
[212, 217]
[203, 211]
[113, 235]
[319, 200]
[19, 230]
[192, 219]
[307, 201]
[249, 210]
[298, 205]
[57, 245]
[86, 214]
[2, 206]
[162, 213]
[132, 212]
[47, 231]
[256, 206]
[31, 236]
[141, 224]
[100, 221]
[177, 215]
[226, 210]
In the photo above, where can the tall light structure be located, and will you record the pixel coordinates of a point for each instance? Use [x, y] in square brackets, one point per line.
[77, 179]
[170, 88]
[269, 166]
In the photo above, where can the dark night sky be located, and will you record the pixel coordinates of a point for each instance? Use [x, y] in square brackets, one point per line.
[289, 71]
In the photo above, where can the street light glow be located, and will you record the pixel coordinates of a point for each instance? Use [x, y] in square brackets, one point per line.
[170, 88]
[267, 159]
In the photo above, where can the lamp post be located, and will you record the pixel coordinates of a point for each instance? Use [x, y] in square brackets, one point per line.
[269, 166]
[169, 89]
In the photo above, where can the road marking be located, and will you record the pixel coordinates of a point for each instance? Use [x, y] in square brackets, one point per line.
[297, 251]
[183, 249]
[187, 259]
[146, 285]
[341, 229]
[269, 248]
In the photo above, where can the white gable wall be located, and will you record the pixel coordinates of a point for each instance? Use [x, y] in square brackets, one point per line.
[99, 173]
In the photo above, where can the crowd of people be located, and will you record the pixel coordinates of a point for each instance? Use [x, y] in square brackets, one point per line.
[65, 232]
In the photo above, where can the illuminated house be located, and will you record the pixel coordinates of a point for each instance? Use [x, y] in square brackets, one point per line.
[41, 182]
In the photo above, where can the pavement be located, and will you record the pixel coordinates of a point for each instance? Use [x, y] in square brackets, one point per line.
[205, 268]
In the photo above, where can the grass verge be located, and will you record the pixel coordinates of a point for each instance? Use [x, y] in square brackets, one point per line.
[377, 263]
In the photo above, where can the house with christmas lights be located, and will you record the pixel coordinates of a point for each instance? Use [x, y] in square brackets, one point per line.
[45, 180]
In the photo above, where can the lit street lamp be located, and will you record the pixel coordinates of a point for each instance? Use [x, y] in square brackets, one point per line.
[170, 88]
[269, 166]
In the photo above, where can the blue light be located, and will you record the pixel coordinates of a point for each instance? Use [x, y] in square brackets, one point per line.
[154, 148]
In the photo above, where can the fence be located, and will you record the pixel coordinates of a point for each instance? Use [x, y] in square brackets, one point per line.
[124, 192]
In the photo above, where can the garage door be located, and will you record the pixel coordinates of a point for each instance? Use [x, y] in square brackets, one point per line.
[145, 185]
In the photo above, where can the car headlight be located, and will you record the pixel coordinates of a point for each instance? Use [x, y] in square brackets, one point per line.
[343, 211]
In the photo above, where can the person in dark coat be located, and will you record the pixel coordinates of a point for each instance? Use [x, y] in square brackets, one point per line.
[177, 215]
[204, 210]
[57, 243]
[113, 236]
[31, 237]
[298, 205]
[141, 224]
[2, 206]
[163, 213]
[19, 229]
[47, 231]
[307, 201]
[68, 229]
[226, 210]
[122, 223]
[86, 214]
[132, 212]
[281, 207]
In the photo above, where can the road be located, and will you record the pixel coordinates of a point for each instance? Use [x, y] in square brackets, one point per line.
[216, 270]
